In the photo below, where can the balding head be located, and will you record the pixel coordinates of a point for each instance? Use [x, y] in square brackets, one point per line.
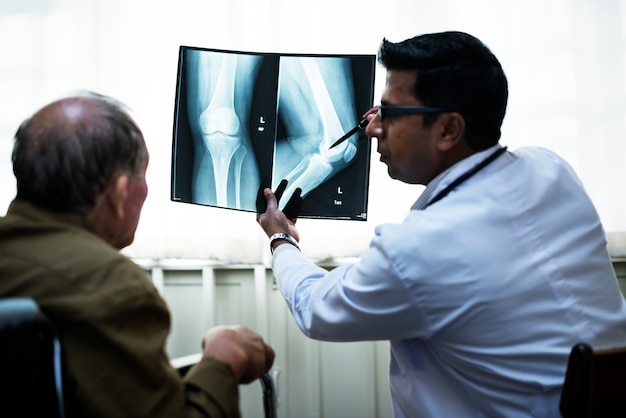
[68, 151]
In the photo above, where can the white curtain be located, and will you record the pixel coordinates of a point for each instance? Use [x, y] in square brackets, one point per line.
[564, 60]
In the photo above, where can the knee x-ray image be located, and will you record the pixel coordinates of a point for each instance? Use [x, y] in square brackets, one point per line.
[242, 119]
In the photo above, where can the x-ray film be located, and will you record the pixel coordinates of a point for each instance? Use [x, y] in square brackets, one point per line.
[243, 118]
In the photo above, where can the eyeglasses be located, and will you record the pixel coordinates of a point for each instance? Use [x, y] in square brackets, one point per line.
[385, 111]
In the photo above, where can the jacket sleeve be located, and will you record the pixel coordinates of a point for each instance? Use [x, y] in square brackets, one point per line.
[211, 390]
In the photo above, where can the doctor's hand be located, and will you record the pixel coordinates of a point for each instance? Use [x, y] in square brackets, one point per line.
[272, 219]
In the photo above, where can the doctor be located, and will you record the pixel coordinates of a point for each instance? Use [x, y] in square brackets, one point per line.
[498, 269]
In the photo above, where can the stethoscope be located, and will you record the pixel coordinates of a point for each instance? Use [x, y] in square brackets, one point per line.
[466, 176]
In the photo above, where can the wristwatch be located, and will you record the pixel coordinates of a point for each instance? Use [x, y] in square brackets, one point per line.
[281, 236]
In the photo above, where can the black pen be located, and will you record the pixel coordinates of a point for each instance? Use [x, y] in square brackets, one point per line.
[351, 132]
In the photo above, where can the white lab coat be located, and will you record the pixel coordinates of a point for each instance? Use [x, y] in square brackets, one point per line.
[481, 295]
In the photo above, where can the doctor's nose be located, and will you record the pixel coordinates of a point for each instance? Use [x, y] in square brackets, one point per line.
[374, 127]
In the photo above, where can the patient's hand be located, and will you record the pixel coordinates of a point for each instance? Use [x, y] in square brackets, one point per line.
[244, 350]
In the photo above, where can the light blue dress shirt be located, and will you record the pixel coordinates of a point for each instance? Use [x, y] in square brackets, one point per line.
[481, 294]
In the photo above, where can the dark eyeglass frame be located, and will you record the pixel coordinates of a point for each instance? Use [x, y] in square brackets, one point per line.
[386, 110]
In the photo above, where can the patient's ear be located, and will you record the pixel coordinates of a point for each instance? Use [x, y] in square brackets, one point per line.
[118, 194]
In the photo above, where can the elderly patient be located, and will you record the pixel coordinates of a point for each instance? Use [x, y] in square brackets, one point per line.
[80, 165]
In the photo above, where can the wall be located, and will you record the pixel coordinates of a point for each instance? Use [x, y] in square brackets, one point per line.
[564, 60]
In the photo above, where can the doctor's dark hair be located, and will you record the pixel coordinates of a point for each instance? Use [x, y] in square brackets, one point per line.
[67, 153]
[455, 71]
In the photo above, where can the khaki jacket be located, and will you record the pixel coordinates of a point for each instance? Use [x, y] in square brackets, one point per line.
[111, 322]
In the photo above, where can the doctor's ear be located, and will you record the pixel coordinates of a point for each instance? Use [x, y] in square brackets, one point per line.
[451, 127]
